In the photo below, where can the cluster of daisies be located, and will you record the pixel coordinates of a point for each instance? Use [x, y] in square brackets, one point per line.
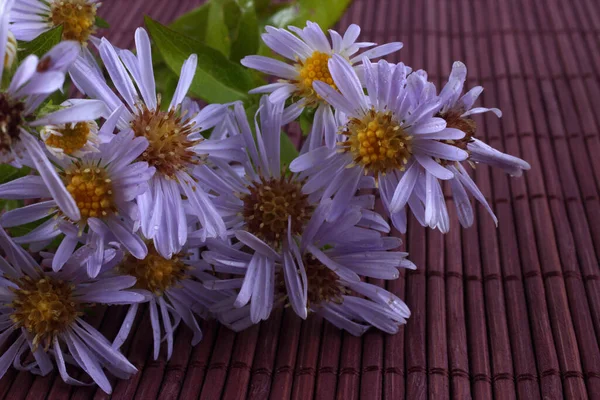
[191, 211]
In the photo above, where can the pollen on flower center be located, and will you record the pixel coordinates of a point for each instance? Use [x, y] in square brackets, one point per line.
[44, 307]
[77, 18]
[314, 68]
[323, 284]
[168, 144]
[269, 205]
[91, 189]
[467, 125]
[154, 273]
[377, 142]
[11, 119]
[74, 137]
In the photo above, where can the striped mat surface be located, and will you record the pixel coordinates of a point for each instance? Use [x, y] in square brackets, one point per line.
[508, 312]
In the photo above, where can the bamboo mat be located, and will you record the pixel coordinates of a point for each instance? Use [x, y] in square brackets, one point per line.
[508, 312]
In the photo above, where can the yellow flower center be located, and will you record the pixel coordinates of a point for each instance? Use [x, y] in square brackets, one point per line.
[377, 142]
[314, 68]
[44, 307]
[11, 118]
[154, 273]
[91, 189]
[77, 18]
[269, 205]
[168, 145]
[11, 50]
[73, 138]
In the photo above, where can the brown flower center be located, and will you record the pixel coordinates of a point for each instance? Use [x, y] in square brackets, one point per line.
[269, 205]
[155, 273]
[11, 120]
[44, 307]
[467, 125]
[91, 189]
[168, 146]
[77, 18]
[323, 284]
[377, 142]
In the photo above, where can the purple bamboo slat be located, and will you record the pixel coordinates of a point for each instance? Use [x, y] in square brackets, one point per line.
[218, 366]
[394, 378]
[307, 358]
[197, 365]
[349, 375]
[415, 334]
[264, 359]
[458, 355]
[437, 349]
[582, 320]
[176, 368]
[283, 374]
[241, 364]
[329, 356]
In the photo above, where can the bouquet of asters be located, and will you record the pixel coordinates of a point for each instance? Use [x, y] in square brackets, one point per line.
[119, 187]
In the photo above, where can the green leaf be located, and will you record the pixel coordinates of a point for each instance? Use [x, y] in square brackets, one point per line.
[9, 173]
[247, 39]
[288, 150]
[193, 23]
[41, 44]
[324, 13]
[217, 32]
[232, 14]
[306, 120]
[166, 83]
[7, 205]
[21, 230]
[217, 79]
[261, 5]
[101, 23]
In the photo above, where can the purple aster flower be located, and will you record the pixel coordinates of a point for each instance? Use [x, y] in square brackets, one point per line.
[31, 18]
[390, 134]
[457, 110]
[176, 148]
[321, 275]
[34, 80]
[268, 214]
[104, 186]
[309, 50]
[44, 309]
[174, 291]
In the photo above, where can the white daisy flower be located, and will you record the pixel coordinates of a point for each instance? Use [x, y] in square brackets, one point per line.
[104, 186]
[44, 309]
[176, 148]
[309, 51]
[389, 134]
